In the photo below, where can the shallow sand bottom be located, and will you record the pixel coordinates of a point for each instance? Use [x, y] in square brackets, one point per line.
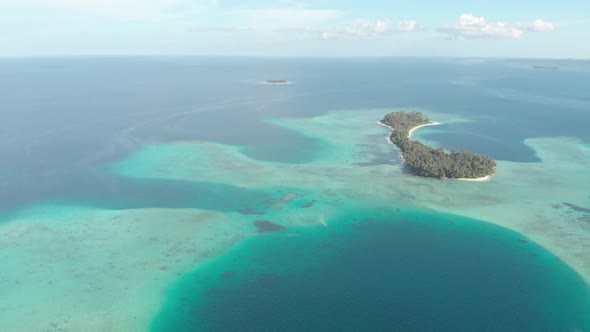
[77, 269]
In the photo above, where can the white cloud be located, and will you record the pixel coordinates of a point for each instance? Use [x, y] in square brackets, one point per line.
[540, 26]
[408, 26]
[473, 27]
[366, 29]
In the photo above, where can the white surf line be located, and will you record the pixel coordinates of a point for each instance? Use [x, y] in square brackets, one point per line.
[388, 137]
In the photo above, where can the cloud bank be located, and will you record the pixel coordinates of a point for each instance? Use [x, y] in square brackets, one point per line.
[473, 27]
[367, 29]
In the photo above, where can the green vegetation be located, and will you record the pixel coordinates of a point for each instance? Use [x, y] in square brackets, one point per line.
[423, 160]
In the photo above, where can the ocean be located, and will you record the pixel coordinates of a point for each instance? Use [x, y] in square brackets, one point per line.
[183, 193]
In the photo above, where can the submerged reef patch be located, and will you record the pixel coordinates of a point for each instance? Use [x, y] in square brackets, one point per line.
[265, 226]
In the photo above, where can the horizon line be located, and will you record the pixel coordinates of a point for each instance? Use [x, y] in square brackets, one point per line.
[284, 56]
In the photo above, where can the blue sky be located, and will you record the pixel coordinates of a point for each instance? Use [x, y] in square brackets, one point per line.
[494, 28]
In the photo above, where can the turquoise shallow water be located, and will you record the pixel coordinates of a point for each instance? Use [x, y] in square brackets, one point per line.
[382, 270]
[301, 150]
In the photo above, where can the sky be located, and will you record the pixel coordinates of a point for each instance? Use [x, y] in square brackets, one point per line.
[482, 28]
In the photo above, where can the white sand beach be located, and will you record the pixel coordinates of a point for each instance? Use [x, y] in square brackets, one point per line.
[481, 179]
[420, 126]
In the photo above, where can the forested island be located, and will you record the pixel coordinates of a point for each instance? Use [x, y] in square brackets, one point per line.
[277, 81]
[423, 160]
[545, 67]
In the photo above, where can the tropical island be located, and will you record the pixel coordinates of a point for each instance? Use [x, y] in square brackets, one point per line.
[426, 161]
[277, 81]
[545, 67]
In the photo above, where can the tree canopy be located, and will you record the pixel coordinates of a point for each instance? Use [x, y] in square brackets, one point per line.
[426, 161]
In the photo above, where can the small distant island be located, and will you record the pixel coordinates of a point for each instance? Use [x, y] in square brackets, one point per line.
[545, 67]
[277, 82]
[425, 161]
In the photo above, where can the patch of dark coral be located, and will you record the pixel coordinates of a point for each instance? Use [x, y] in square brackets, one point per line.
[577, 208]
[265, 226]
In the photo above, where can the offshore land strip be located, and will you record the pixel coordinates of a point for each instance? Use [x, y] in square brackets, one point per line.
[422, 160]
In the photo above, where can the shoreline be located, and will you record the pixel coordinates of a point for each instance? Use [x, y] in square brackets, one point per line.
[280, 83]
[420, 126]
[486, 178]
[388, 137]
[481, 179]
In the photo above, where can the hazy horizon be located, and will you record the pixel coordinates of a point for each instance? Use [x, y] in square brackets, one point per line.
[124, 55]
